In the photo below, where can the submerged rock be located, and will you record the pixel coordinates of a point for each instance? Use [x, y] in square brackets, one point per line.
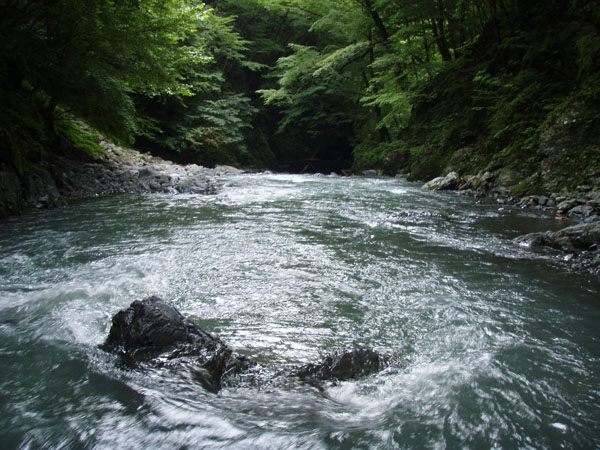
[370, 173]
[228, 170]
[343, 366]
[150, 329]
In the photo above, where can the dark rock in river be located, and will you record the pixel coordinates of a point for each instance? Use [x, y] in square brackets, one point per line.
[151, 328]
[343, 366]
[153, 332]
[197, 184]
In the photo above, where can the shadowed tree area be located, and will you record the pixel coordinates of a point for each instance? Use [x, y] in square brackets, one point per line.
[317, 86]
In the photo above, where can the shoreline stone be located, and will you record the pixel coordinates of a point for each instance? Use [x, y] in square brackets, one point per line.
[447, 183]
[579, 244]
[580, 237]
[128, 171]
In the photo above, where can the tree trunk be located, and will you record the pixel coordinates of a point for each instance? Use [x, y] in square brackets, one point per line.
[377, 20]
[440, 39]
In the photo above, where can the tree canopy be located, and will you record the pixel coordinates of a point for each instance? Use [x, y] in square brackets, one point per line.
[302, 85]
[89, 56]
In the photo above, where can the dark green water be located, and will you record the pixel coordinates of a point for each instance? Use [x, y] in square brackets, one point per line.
[489, 347]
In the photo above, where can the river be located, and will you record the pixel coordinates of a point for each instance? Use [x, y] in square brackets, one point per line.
[489, 346]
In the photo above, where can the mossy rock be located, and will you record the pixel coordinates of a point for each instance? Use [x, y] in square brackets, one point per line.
[528, 187]
[508, 177]
[427, 165]
[462, 156]
[396, 161]
[77, 134]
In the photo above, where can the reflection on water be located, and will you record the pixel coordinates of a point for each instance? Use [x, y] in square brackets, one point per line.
[488, 347]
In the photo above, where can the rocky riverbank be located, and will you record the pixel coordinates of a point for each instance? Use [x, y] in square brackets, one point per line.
[581, 204]
[63, 178]
[579, 243]
[128, 171]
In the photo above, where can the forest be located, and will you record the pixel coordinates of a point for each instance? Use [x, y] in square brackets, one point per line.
[399, 86]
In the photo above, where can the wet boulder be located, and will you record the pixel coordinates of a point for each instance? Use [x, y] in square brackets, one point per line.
[580, 243]
[532, 241]
[196, 184]
[370, 173]
[446, 183]
[583, 236]
[343, 366]
[151, 331]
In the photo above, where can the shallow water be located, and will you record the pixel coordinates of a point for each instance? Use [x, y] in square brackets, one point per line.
[489, 346]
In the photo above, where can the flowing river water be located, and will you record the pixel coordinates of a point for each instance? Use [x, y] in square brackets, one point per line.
[488, 346]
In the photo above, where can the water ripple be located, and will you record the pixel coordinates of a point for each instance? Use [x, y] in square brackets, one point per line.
[487, 346]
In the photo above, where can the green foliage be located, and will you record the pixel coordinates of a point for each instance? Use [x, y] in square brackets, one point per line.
[403, 82]
[90, 55]
[369, 155]
[79, 134]
[527, 187]
[427, 163]
[216, 132]
[309, 92]
[390, 158]
[209, 123]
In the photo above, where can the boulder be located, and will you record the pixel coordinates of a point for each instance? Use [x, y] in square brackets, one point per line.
[565, 206]
[227, 170]
[370, 173]
[532, 241]
[581, 211]
[150, 329]
[508, 178]
[196, 184]
[343, 366]
[151, 332]
[583, 236]
[446, 183]
[530, 200]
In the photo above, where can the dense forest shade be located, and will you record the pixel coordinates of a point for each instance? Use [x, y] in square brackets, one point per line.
[419, 87]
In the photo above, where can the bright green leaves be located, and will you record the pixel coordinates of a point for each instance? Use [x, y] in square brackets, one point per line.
[338, 60]
[208, 123]
[399, 59]
[194, 79]
[90, 55]
[311, 95]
